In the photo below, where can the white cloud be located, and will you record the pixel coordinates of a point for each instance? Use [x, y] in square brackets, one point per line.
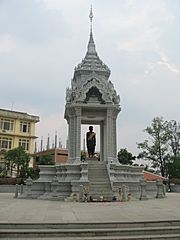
[63, 4]
[141, 26]
[7, 43]
[163, 61]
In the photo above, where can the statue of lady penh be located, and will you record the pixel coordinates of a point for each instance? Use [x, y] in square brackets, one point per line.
[91, 141]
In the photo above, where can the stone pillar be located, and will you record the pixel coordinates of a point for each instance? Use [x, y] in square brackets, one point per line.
[114, 138]
[143, 195]
[114, 134]
[16, 191]
[101, 142]
[124, 193]
[78, 133]
[160, 189]
[29, 186]
[81, 193]
[63, 172]
[21, 189]
[105, 155]
[59, 172]
[71, 134]
[109, 134]
[54, 187]
[84, 172]
[70, 154]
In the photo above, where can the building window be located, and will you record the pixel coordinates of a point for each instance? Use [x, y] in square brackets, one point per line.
[6, 124]
[5, 143]
[24, 127]
[24, 143]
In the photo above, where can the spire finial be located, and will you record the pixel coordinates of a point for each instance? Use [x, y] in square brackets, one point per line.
[91, 45]
[91, 17]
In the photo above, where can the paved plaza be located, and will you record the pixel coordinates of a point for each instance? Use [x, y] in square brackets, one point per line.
[45, 211]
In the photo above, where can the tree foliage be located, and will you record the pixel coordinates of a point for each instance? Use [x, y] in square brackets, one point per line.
[125, 157]
[155, 149]
[173, 131]
[19, 159]
[45, 160]
[174, 167]
[162, 145]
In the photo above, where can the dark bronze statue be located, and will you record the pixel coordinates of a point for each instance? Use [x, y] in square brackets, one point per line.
[91, 141]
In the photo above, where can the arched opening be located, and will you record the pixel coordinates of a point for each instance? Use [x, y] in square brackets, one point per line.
[94, 95]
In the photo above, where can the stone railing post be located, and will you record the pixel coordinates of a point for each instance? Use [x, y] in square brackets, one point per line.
[21, 189]
[54, 187]
[112, 172]
[84, 172]
[160, 189]
[63, 172]
[81, 193]
[16, 191]
[29, 187]
[59, 172]
[143, 195]
[124, 193]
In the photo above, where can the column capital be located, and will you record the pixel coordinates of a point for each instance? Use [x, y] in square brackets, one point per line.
[78, 111]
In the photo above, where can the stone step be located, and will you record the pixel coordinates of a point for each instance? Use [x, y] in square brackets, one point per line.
[103, 232]
[99, 188]
[105, 183]
[94, 180]
[97, 173]
[98, 197]
[95, 169]
[101, 176]
[142, 237]
[96, 193]
[90, 225]
[100, 191]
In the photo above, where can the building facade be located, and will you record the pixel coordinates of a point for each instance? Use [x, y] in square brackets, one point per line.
[16, 129]
[59, 155]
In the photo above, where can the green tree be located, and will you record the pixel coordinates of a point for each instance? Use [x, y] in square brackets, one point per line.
[155, 149]
[173, 131]
[174, 167]
[34, 172]
[19, 159]
[45, 160]
[125, 157]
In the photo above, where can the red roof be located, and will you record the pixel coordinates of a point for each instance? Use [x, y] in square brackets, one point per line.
[152, 177]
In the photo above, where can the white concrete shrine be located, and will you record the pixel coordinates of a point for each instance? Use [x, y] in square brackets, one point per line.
[92, 99]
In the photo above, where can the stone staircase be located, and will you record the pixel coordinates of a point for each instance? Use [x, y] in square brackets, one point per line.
[99, 183]
[147, 230]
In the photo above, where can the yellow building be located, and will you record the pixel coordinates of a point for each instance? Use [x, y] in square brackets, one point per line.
[16, 129]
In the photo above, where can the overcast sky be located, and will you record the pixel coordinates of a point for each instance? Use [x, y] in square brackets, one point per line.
[41, 41]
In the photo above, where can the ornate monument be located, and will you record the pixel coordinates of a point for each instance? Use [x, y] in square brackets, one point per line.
[91, 99]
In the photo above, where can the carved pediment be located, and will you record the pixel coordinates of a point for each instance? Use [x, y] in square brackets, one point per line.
[93, 90]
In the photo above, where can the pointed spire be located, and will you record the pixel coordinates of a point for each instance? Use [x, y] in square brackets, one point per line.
[91, 45]
[41, 143]
[48, 142]
[55, 140]
[91, 62]
[91, 18]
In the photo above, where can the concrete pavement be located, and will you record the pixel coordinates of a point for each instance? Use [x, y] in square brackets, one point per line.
[44, 211]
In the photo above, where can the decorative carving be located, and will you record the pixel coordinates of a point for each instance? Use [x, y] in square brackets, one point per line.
[105, 88]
